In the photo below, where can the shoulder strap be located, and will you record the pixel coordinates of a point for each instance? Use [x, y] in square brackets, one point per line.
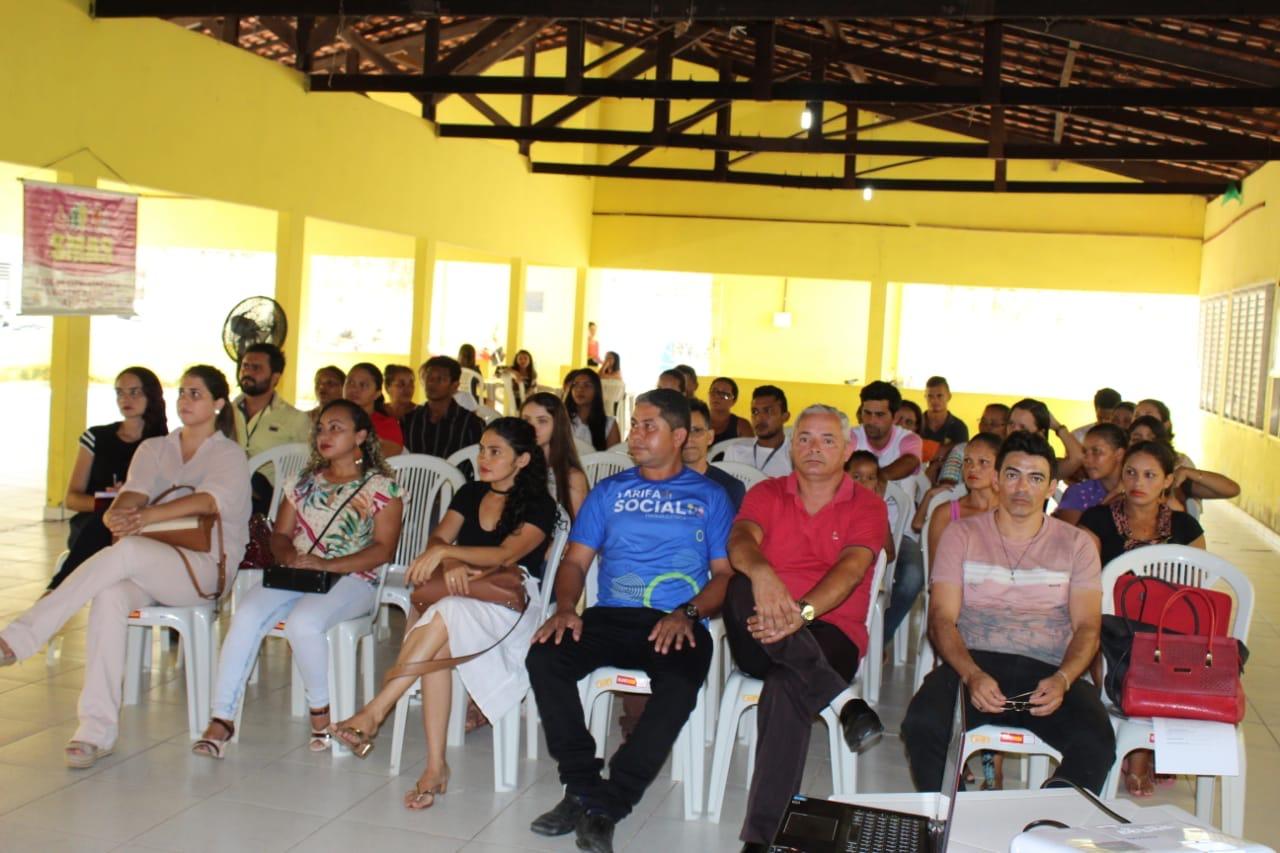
[222, 551]
[337, 512]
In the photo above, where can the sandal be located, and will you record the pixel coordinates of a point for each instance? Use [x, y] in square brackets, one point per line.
[475, 717]
[354, 739]
[1139, 785]
[81, 755]
[421, 798]
[212, 747]
[7, 656]
[320, 738]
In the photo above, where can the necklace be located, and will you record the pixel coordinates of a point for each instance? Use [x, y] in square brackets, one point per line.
[1013, 564]
[499, 491]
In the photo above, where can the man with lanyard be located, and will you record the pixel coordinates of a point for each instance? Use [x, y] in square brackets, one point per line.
[770, 452]
[795, 612]
[263, 419]
[897, 449]
[660, 532]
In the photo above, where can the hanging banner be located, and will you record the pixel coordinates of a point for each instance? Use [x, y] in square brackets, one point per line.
[79, 250]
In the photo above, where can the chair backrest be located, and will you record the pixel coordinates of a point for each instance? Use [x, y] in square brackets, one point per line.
[877, 580]
[466, 400]
[559, 542]
[938, 500]
[467, 454]
[605, 463]
[1183, 564]
[746, 474]
[719, 449]
[487, 414]
[472, 383]
[513, 393]
[287, 460]
[615, 393]
[585, 448]
[429, 483]
[903, 509]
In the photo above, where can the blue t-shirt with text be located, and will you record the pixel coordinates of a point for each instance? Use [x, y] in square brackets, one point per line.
[654, 538]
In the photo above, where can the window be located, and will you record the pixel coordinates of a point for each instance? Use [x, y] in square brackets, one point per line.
[1246, 355]
[1213, 328]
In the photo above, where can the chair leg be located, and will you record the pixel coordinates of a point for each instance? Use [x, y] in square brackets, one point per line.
[695, 758]
[458, 701]
[397, 732]
[1233, 791]
[752, 733]
[366, 668]
[135, 638]
[506, 750]
[875, 655]
[345, 674]
[530, 726]
[1037, 768]
[194, 674]
[297, 694]
[726, 727]
[54, 650]
[1204, 798]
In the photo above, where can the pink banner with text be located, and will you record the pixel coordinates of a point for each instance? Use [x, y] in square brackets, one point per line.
[79, 250]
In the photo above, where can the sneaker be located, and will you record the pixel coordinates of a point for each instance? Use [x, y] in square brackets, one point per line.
[562, 819]
[595, 833]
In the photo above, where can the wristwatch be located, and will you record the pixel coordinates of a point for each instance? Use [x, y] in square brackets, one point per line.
[691, 611]
[807, 613]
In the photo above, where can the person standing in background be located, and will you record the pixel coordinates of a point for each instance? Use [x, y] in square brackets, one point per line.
[593, 346]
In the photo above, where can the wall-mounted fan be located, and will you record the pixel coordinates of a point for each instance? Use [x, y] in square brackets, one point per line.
[256, 320]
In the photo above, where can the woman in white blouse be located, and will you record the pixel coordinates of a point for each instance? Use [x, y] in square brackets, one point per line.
[138, 571]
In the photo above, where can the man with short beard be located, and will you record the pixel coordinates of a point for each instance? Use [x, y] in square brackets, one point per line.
[263, 419]
[898, 450]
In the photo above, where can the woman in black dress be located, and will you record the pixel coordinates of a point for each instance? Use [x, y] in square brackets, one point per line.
[103, 462]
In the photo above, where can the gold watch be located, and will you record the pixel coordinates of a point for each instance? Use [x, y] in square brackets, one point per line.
[807, 613]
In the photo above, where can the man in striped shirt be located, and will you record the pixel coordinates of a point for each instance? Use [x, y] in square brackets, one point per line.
[441, 427]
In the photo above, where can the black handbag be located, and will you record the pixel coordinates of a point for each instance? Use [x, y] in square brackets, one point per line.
[308, 580]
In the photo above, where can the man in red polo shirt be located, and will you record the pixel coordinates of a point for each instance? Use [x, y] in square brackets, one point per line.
[802, 548]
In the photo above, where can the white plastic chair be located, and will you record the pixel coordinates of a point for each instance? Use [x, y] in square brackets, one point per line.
[471, 383]
[688, 754]
[506, 731]
[879, 596]
[585, 448]
[470, 453]
[466, 401]
[1017, 740]
[196, 626]
[605, 463]
[1183, 564]
[615, 394]
[286, 460]
[925, 660]
[513, 392]
[742, 694]
[746, 474]
[487, 414]
[720, 448]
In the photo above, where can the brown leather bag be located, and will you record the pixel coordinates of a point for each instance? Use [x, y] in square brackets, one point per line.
[504, 585]
[194, 536]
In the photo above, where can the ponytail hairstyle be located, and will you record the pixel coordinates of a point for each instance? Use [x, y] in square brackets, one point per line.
[379, 404]
[154, 420]
[562, 455]
[531, 480]
[371, 459]
[216, 382]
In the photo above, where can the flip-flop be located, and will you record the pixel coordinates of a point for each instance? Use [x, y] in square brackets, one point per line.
[416, 800]
[81, 755]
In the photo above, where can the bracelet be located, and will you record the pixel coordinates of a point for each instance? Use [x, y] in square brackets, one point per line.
[1065, 680]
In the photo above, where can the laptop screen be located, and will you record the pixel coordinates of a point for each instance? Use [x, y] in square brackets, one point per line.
[953, 770]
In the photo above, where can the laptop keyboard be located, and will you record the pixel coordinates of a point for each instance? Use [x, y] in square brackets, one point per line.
[886, 832]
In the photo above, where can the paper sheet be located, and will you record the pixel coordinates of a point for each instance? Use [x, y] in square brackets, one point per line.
[1195, 746]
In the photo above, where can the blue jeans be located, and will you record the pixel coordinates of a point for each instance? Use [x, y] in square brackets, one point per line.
[908, 580]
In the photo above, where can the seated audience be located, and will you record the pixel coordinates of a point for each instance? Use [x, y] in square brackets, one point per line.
[690, 380]
[695, 453]
[995, 420]
[138, 571]
[909, 416]
[263, 419]
[328, 384]
[864, 469]
[938, 423]
[661, 534]
[505, 518]
[672, 380]
[102, 463]
[524, 374]
[1034, 416]
[364, 388]
[1105, 401]
[724, 423]
[566, 480]
[1104, 446]
[897, 449]
[340, 514]
[1015, 613]
[771, 451]
[441, 427]
[400, 388]
[586, 411]
[1190, 484]
[1122, 415]
[612, 367]
[803, 548]
[467, 358]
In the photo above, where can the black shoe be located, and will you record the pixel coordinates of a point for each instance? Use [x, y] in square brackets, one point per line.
[562, 819]
[755, 847]
[595, 833]
[861, 725]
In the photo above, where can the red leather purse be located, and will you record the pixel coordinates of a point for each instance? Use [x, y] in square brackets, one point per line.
[1187, 676]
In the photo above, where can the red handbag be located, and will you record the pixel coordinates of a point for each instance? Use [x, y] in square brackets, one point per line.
[1187, 676]
[1140, 598]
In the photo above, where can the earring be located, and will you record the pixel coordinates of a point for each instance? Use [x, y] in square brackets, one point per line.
[359, 457]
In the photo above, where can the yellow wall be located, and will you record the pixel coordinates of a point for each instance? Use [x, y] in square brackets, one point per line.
[1242, 249]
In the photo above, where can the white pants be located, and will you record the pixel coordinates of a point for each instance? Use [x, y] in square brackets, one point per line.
[310, 615]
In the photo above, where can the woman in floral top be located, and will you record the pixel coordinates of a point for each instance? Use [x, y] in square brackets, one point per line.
[340, 514]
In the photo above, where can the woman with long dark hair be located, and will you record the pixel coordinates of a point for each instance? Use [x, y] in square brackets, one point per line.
[102, 463]
[566, 479]
[612, 366]
[364, 388]
[1034, 416]
[504, 518]
[137, 571]
[586, 410]
[340, 514]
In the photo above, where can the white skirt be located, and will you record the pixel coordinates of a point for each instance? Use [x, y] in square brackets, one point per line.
[497, 680]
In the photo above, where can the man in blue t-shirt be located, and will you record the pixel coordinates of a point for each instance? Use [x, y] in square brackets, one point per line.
[660, 533]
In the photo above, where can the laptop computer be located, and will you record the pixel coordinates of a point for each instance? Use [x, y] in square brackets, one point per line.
[824, 826]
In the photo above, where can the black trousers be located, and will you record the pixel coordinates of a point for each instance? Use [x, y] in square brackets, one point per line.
[615, 636]
[1079, 729]
[801, 675]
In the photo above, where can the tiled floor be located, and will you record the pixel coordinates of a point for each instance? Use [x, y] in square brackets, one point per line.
[272, 794]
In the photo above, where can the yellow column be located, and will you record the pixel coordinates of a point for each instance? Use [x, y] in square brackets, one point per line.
[68, 388]
[424, 277]
[579, 355]
[292, 272]
[876, 331]
[515, 307]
